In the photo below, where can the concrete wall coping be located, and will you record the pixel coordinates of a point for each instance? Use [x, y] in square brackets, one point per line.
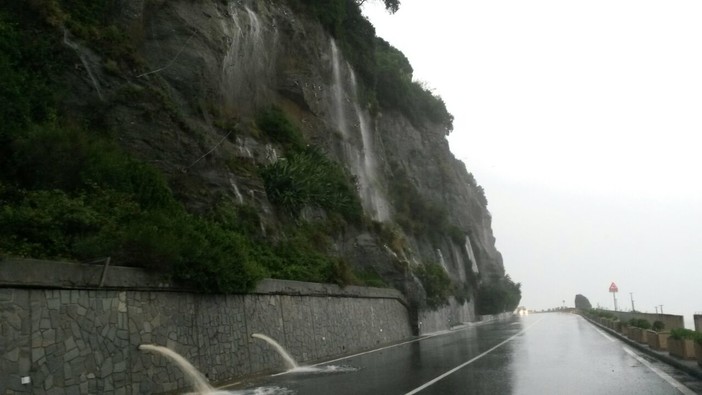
[671, 321]
[35, 273]
[300, 288]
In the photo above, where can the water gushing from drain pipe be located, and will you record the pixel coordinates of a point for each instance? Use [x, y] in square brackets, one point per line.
[195, 378]
[289, 361]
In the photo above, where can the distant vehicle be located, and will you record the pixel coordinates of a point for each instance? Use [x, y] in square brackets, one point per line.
[521, 310]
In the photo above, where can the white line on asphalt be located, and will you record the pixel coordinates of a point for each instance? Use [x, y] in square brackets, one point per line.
[428, 336]
[608, 337]
[461, 366]
[665, 376]
[356, 355]
[383, 348]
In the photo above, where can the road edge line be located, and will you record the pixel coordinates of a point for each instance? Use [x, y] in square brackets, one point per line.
[461, 366]
[665, 376]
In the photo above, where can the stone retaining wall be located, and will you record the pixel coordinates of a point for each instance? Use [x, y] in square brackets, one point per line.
[671, 321]
[84, 341]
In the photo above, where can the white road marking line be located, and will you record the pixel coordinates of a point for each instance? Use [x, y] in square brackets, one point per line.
[429, 336]
[424, 337]
[383, 348]
[665, 376]
[608, 337]
[461, 366]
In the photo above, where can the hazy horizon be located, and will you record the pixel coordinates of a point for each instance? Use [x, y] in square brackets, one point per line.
[581, 121]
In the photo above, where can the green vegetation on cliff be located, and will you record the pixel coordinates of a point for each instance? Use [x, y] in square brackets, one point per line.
[69, 191]
[497, 295]
[436, 283]
[384, 70]
[305, 177]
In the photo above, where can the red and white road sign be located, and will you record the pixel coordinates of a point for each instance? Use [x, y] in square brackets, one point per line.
[613, 288]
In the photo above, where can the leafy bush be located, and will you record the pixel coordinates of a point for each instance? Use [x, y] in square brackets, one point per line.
[29, 60]
[276, 125]
[605, 314]
[602, 314]
[396, 89]
[683, 333]
[436, 283]
[642, 323]
[498, 295]
[370, 278]
[45, 223]
[307, 178]
[658, 326]
[87, 159]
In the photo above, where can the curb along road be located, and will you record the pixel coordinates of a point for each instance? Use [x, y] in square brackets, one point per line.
[690, 367]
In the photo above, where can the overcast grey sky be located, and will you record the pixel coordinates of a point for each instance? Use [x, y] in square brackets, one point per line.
[583, 121]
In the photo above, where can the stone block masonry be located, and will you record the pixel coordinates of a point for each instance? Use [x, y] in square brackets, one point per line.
[669, 320]
[84, 340]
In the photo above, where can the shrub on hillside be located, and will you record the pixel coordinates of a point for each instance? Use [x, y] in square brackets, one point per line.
[683, 333]
[436, 283]
[306, 177]
[498, 295]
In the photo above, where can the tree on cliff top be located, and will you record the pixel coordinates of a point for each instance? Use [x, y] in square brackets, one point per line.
[497, 295]
[582, 303]
[391, 5]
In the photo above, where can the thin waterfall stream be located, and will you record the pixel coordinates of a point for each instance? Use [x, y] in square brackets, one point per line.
[84, 60]
[359, 152]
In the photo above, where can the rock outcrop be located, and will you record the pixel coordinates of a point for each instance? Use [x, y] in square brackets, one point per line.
[210, 65]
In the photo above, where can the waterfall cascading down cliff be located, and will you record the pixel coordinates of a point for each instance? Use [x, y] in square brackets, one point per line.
[442, 261]
[235, 189]
[471, 256]
[83, 55]
[248, 59]
[370, 171]
[242, 55]
[359, 153]
[338, 92]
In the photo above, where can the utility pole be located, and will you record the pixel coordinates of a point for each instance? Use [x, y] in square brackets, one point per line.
[661, 309]
[632, 301]
[656, 307]
[614, 296]
[614, 289]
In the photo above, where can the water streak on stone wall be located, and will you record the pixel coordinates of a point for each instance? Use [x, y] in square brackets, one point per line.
[86, 340]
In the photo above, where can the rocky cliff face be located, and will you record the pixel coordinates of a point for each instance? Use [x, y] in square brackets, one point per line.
[212, 64]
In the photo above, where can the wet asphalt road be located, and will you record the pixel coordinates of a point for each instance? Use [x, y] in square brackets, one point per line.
[538, 354]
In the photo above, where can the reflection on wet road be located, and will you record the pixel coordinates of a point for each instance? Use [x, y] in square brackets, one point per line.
[537, 354]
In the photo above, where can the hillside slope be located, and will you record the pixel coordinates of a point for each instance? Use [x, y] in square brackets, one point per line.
[277, 122]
